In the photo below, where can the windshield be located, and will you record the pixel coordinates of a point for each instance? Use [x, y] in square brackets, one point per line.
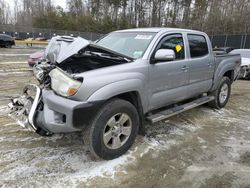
[131, 44]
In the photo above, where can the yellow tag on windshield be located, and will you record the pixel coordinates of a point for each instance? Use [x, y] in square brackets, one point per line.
[178, 48]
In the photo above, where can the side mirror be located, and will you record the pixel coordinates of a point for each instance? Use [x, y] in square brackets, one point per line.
[164, 55]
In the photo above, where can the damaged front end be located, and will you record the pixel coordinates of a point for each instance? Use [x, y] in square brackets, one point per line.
[23, 109]
[45, 108]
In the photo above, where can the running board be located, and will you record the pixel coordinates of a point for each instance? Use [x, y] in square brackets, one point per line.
[178, 109]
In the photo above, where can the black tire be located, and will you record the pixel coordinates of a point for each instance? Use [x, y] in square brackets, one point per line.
[217, 103]
[94, 134]
[248, 76]
[8, 45]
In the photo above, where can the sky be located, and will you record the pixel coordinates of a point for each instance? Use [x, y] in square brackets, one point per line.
[62, 3]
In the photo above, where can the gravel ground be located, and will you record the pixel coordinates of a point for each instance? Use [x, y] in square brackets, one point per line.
[202, 147]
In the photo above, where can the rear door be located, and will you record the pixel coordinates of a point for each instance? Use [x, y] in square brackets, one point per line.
[200, 65]
[167, 78]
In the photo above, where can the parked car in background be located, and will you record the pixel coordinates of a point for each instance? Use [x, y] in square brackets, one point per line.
[29, 39]
[40, 39]
[17, 38]
[245, 62]
[6, 41]
[35, 57]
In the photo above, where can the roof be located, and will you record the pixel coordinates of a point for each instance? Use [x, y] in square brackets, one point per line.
[156, 29]
[5, 35]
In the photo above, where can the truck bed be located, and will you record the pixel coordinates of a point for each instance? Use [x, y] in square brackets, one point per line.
[232, 61]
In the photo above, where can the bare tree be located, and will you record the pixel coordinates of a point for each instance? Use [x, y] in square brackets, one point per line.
[4, 12]
[212, 16]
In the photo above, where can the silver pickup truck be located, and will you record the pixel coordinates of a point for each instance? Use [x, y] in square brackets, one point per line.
[108, 89]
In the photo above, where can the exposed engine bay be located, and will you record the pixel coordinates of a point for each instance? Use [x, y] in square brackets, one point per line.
[90, 60]
[75, 55]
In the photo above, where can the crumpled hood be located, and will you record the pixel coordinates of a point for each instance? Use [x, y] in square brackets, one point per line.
[62, 47]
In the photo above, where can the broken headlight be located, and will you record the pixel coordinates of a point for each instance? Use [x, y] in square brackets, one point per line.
[63, 84]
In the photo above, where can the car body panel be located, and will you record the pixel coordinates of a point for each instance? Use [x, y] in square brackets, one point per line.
[35, 57]
[60, 48]
[101, 79]
[200, 69]
[225, 63]
[245, 62]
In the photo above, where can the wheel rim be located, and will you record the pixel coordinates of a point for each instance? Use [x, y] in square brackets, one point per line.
[223, 93]
[117, 131]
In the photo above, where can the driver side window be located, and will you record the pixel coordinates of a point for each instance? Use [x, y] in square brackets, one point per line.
[173, 42]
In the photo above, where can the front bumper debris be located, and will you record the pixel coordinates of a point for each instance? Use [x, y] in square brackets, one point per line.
[46, 113]
[23, 109]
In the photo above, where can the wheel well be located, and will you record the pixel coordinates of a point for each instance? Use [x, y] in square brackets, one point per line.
[134, 98]
[230, 75]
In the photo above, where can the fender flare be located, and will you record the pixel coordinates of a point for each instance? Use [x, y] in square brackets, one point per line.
[116, 88]
[219, 75]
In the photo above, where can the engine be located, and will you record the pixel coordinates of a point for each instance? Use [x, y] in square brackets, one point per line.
[41, 72]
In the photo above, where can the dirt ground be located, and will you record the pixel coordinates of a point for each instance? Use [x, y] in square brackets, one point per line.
[202, 147]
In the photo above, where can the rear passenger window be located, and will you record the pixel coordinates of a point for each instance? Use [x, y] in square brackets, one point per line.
[198, 45]
[173, 42]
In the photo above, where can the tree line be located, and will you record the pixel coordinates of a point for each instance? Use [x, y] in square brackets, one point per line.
[102, 16]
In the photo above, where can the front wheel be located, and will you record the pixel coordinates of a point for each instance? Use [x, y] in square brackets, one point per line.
[222, 94]
[113, 130]
[8, 45]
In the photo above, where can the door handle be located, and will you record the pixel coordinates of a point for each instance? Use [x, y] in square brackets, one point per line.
[185, 68]
[209, 64]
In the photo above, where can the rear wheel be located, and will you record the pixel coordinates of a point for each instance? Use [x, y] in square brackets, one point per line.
[7, 45]
[113, 130]
[248, 75]
[221, 94]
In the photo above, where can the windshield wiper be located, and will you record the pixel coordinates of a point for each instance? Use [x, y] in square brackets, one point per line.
[105, 55]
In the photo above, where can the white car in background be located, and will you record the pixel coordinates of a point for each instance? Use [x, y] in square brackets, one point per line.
[245, 62]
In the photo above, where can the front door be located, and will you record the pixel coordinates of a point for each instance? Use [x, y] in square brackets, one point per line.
[167, 79]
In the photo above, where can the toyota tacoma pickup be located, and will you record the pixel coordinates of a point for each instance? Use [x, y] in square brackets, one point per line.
[110, 88]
